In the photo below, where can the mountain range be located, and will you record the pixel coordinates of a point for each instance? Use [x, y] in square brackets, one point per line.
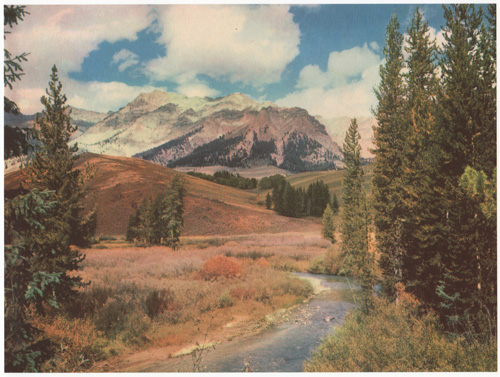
[233, 131]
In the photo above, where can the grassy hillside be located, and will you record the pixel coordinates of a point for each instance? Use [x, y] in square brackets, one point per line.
[120, 183]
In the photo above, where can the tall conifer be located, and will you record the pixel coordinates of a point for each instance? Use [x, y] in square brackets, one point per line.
[422, 233]
[358, 261]
[51, 168]
[467, 117]
[390, 134]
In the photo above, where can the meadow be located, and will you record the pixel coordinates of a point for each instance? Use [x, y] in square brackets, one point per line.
[211, 289]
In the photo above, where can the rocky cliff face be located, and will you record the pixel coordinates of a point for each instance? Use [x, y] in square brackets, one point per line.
[174, 130]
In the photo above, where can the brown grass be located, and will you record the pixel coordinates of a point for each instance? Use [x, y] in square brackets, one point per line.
[152, 298]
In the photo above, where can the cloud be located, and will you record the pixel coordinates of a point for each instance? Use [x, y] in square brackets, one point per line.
[125, 59]
[197, 89]
[96, 96]
[345, 88]
[65, 35]
[103, 96]
[247, 44]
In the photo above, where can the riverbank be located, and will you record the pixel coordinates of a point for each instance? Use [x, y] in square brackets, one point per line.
[281, 343]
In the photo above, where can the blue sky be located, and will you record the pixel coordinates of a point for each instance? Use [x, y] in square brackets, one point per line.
[323, 58]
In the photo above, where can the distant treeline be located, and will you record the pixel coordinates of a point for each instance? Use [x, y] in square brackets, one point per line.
[299, 202]
[228, 179]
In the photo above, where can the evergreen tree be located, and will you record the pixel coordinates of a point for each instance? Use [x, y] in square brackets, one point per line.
[15, 139]
[269, 201]
[422, 231]
[146, 220]
[468, 121]
[335, 204]
[328, 228]
[359, 262]
[172, 216]
[389, 141]
[289, 201]
[485, 141]
[51, 167]
[12, 69]
[38, 274]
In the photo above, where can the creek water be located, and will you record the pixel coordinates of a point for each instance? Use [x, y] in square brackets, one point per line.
[285, 346]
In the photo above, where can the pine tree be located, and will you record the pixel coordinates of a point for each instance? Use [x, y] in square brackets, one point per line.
[485, 148]
[12, 64]
[15, 139]
[172, 216]
[468, 118]
[289, 201]
[269, 201]
[51, 168]
[328, 228]
[38, 274]
[389, 141]
[359, 262]
[422, 232]
[335, 204]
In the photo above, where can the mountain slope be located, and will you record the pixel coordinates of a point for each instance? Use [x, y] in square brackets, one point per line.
[287, 138]
[120, 183]
[84, 119]
[174, 130]
[337, 128]
[156, 118]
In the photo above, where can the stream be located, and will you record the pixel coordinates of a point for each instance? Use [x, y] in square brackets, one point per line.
[285, 346]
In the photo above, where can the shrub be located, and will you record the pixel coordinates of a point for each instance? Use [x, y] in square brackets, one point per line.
[107, 238]
[263, 262]
[225, 301]
[332, 264]
[296, 287]
[329, 264]
[137, 326]
[88, 302]
[160, 301]
[112, 317]
[396, 337]
[76, 343]
[316, 265]
[220, 266]
[240, 293]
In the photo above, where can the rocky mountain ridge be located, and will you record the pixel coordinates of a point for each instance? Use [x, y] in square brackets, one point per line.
[233, 131]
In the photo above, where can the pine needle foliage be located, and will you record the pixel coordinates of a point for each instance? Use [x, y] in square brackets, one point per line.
[38, 267]
[51, 167]
[358, 261]
[389, 142]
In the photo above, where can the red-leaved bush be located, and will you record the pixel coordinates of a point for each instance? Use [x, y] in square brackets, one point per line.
[220, 266]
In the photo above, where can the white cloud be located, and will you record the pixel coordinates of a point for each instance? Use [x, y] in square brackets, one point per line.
[344, 89]
[247, 44]
[103, 96]
[65, 35]
[125, 59]
[96, 96]
[197, 89]
[374, 46]
[343, 67]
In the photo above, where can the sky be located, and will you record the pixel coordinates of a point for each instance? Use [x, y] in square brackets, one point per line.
[324, 58]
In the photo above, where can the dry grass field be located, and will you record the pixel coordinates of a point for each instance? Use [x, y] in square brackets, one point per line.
[156, 302]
